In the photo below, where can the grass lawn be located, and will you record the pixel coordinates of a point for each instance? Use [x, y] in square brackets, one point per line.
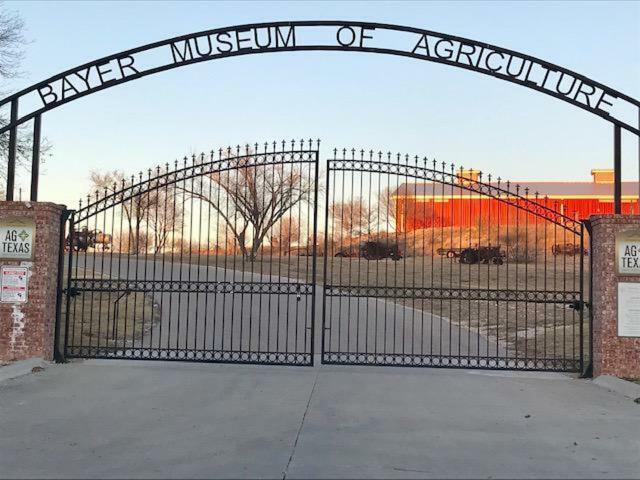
[108, 319]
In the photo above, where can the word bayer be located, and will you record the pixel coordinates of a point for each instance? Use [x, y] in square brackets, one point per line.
[387, 39]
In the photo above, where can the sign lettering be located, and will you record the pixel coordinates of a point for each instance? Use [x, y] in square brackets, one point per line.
[17, 238]
[421, 44]
[628, 253]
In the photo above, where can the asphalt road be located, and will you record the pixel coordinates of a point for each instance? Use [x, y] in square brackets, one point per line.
[273, 323]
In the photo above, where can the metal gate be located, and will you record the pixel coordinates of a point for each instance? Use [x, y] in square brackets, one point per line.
[431, 265]
[209, 259]
[215, 259]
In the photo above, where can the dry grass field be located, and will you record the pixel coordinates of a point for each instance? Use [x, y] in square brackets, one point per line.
[108, 319]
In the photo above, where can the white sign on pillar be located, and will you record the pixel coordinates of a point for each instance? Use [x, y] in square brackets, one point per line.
[17, 239]
[13, 284]
[628, 253]
[628, 309]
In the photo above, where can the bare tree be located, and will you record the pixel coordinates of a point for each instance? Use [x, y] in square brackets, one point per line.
[252, 198]
[137, 209]
[166, 218]
[387, 207]
[11, 54]
[354, 217]
[285, 233]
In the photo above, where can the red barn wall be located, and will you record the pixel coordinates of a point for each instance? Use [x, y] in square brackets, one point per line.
[413, 214]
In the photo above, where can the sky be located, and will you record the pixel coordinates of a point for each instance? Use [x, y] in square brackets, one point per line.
[346, 99]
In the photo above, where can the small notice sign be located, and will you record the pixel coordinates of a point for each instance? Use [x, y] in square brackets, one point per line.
[628, 253]
[17, 237]
[628, 309]
[13, 284]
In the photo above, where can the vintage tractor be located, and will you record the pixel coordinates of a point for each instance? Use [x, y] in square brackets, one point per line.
[482, 254]
[372, 250]
[570, 249]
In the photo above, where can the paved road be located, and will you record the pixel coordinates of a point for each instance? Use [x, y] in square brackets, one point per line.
[281, 323]
[111, 418]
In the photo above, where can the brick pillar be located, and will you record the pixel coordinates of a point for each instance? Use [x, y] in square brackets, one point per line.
[27, 329]
[612, 355]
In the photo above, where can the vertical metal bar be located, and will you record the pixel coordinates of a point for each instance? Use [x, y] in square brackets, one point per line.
[617, 170]
[13, 142]
[581, 305]
[314, 266]
[58, 355]
[325, 273]
[69, 273]
[35, 158]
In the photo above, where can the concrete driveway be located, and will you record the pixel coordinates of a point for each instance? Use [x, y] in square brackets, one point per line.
[144, 419]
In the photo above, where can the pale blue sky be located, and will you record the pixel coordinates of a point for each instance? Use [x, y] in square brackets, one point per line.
[346, 99]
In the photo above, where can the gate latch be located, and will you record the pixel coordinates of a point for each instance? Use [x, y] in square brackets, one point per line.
[577, 305]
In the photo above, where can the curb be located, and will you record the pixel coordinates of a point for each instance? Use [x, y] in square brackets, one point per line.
[614, 384]
[20, 368]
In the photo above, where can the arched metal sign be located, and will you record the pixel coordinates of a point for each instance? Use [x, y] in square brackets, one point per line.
[616, 107]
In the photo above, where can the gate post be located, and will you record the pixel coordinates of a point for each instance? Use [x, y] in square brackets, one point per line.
[616, 307]
[30, 243]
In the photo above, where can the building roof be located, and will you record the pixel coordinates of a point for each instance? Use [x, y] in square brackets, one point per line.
[549, 189]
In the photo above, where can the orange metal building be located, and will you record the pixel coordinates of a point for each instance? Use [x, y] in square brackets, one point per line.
[429, 204]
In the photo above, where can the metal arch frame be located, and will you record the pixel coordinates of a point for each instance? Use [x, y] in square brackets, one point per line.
[522, 202]
[16, 120]
[318, 23]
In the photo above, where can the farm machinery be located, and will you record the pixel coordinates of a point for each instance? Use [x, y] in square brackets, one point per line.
[474, 255]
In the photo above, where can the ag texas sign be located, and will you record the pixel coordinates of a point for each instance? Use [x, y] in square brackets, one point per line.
[17, 238]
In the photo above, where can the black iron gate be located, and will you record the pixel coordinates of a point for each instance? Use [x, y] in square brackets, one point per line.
[210, 259]
[215, 259]
[429, 265]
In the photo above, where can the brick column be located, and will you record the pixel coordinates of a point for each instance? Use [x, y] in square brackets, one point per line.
[27, 329]
[612, 355]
